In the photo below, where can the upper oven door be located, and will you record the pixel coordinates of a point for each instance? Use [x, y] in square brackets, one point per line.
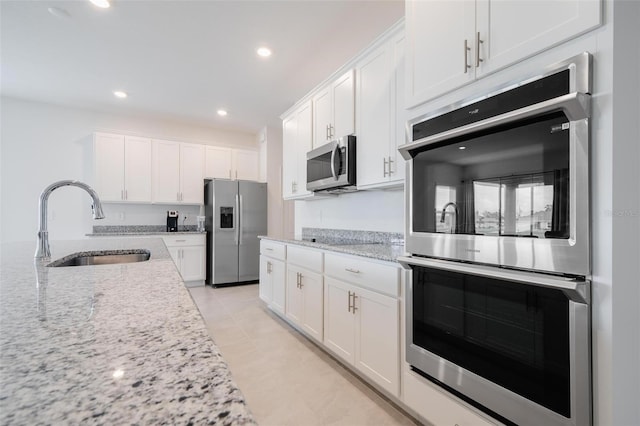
[510, 187]
[329, 165]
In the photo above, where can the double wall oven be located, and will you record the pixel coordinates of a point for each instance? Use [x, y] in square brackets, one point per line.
[497, 227]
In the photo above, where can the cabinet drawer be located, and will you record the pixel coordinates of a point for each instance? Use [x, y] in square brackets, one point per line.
[374, 276]
[184, 240]
[437, 407]
[273, 249]
[307, 258]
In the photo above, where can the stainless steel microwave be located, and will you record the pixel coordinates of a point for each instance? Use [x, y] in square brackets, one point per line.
[332, 166]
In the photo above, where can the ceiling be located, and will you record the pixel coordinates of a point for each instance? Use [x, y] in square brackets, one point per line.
[183, 60]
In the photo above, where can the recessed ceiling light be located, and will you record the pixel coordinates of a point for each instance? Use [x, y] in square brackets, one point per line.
[462, 147]
[265, 52]
[222, 112]
[120, 94]
[103, 4]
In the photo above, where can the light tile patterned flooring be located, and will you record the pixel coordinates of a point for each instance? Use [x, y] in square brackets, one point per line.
[286, 379]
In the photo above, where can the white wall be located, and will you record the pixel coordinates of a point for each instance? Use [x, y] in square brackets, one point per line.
[381, 211]
[42, 143]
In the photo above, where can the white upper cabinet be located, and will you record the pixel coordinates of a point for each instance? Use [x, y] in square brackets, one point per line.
[334, 110]
[296, 142]
[192, 173]
[228, 163]
[380, 115]
[218, 163]
[246, 164]
[122, 168]
[451, 43]
[178, 172]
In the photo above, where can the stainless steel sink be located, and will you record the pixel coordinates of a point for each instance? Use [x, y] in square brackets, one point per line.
[106, 257]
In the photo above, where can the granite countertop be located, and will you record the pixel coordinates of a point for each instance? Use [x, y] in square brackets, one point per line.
[107, 344]
[140, 230]
[380, 250]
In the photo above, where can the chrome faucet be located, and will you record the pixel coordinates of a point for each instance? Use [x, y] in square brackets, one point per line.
[455, 215]
[42, 250]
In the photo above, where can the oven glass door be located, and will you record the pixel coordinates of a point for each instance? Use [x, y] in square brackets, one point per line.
[512, 181]
[512, 334]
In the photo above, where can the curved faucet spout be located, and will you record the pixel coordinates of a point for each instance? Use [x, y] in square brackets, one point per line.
[455, 215]
[42, 250]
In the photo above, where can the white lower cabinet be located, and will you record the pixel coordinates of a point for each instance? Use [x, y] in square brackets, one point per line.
[362, 327]
[304, 300]
[189, 254]
[272, 275]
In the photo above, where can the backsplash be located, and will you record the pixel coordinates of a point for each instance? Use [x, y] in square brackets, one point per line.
[342, 236]
[139, 229]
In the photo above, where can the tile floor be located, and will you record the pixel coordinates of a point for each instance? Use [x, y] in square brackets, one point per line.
[286, 379]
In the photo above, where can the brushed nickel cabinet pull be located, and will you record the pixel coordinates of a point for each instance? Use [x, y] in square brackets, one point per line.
[355, 271]
[349, 302]
[478, 43]
[390, 161]
[466, 50]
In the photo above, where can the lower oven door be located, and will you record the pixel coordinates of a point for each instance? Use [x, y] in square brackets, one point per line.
[516, 344]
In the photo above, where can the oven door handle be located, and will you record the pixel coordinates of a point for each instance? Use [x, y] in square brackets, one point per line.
[576, 106]
[576, 290]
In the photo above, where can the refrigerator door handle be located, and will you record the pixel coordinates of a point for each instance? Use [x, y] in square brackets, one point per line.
[236, 219]
[241, 219]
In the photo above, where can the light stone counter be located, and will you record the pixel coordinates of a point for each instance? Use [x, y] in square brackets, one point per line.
[381, 251]
[107, 344]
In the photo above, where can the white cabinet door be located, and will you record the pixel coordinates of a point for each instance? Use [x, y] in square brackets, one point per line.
[304, 144]
[322, 117]
[375, 113]
[137, 169]
[289, 155]
[296, 142]
[397, 166]
[378, 342]
[339, 321]
[265, 287]
[192, 263]
[166, 171]
[109, 166]
[436, 55]
[245, 163]
[312, 303]
[278, 287]
[174, 252]
[343, 105]
[451, 43]
[218, 162]
[513, 30]
[192, 173]
[294, 300]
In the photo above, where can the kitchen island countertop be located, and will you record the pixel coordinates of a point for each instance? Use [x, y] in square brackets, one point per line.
[107, 344]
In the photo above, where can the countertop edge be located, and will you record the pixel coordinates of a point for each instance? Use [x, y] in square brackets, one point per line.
[378, 251]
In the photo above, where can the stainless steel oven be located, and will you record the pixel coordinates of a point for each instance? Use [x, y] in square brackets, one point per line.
[504, 179]
[498, 242]
[332, 166]
[512, 343]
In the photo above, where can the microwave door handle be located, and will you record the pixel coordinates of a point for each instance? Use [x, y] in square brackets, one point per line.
[333, 161]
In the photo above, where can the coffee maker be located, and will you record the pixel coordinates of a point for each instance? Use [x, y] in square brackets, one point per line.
[172, 220]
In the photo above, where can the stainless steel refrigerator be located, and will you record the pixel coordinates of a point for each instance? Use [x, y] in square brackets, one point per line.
[235, 214]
